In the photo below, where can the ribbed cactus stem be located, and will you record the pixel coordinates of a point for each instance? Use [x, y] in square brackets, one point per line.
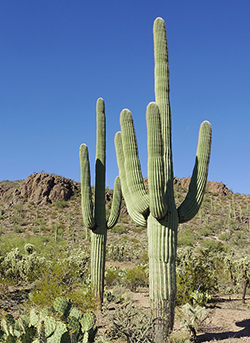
[162, 94]
[86, 194]
[100, 167]
[98, 255]
[94, 215]
[132, 164]
[134, 214]
[116, 204]
[158, 208]
[193, 200]
[157, 195]
[162, 244]
[99, 234]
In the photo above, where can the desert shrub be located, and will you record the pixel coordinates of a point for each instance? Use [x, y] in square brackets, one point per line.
[134, 240]
[112, 276]
[119, 229]
[58, 279]
[214, 246]
[18, 266]
[61, 204]
[132, 323]
[136, 277]
[186, 237]
[116, 252]
[79, 260]
[1, 213]
[195, 272]
[205, 232]
[44, 245]
[238, 270]
[18, 229]
[130, 278]
[224, 237]
[144, 258]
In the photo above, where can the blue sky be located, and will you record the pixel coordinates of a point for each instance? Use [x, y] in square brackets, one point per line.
[57, 57]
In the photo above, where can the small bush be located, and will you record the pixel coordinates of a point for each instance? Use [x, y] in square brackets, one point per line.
[119, 229]
[186, 238]
[131, 322]
[136, 277]
[195, 272]
[57, 279]
[18, 266]
[213, 246]
[61, 204]
[112, 276]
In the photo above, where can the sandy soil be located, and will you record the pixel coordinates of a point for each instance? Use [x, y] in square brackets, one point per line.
[227, 322]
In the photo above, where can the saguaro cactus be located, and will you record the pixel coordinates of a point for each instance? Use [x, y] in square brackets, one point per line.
[157, 209]
[94, 215]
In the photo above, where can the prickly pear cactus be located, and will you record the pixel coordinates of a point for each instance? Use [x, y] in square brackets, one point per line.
[61, 324]
[17, 330]
[88, 321]
[8, 324]
[62, 306]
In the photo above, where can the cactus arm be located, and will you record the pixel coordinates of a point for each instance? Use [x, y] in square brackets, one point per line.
[190, 206]
[137, 217]
[100, 165]
[162, 95]
[132, 165]
[158, 205]
[86, 196]
[116, 204]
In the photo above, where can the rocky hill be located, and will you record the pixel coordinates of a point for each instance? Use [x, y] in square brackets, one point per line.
[38, 188]
[44, 188]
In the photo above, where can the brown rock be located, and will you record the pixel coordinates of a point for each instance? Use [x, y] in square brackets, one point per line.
[47, 188]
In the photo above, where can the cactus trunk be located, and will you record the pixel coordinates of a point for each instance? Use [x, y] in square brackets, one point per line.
[98, 253]
[162, 236]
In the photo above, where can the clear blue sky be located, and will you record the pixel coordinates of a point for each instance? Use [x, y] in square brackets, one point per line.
[57, 57]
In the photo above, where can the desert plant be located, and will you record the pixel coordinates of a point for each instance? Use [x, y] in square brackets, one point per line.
[196, 277]
[67, 276]
[192, 317]
[60, 323]
[239, 271]
[136, 277]
[95, 220]
[131, 322]
[18, 266]
[16, 329]
[157, 209]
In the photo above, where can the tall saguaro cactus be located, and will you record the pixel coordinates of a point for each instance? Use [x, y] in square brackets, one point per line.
[94, 214]
[157, 209]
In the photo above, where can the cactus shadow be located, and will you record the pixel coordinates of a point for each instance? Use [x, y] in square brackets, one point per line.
[245, 332]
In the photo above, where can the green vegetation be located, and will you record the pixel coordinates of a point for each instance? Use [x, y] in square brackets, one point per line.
[94, 214]
[156, 209]
[59, 323]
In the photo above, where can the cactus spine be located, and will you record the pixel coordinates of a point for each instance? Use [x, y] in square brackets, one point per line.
[94, 215]
[157, 209]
